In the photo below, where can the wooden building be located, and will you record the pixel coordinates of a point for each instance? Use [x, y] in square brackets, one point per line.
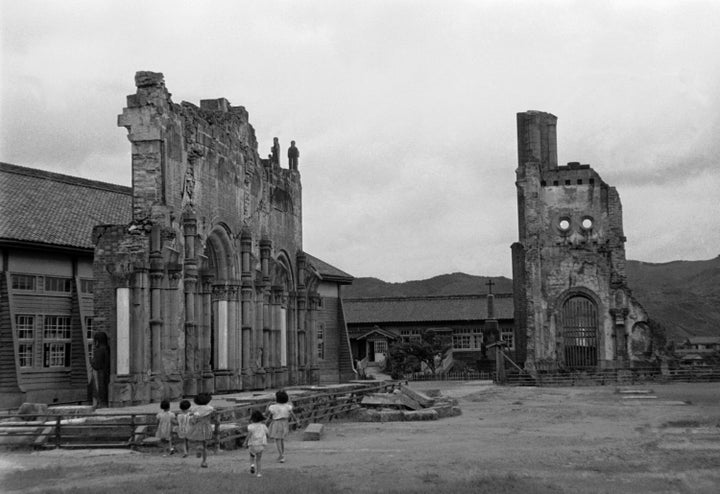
[469, 320]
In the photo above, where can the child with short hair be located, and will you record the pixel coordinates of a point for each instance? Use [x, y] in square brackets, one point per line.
[201, 427]
[256, 440]
[280, 413]
[165, 422]
[183, 425]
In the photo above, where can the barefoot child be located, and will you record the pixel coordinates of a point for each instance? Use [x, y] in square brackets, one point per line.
[183, 425]
[280, 413]
[201, 427]
[256, 441]
[165, 422]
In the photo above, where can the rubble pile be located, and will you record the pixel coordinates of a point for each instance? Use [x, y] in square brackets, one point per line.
[405, 404]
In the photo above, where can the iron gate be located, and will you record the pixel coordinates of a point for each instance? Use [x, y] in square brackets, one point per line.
[579, 332]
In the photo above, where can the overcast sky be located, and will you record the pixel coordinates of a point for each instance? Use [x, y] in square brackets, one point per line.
[403, 111]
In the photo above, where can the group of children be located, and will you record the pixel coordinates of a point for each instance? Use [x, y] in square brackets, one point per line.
[196, 425]
[192, 425]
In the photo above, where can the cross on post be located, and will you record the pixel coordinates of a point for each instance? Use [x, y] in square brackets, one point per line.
[490, 284]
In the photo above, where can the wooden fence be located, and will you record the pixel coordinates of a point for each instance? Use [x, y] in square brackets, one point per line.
[122, 430]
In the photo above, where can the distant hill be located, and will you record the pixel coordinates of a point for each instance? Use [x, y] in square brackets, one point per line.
[445, 284]
[683, 296]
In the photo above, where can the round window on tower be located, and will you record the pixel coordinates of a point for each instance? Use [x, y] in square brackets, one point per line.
[564, 224]
[587, 223]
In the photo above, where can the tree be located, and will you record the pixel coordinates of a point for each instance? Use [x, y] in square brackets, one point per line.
[407, 356]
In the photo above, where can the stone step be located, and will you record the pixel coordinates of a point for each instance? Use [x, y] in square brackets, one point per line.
[313, 432]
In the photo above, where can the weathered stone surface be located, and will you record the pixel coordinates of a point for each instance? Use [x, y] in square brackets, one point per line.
[391, 415]
[214, 246]
[423, 399]
[33, 411]
[427, 414]
[569, 262]
[396, 400]
[313, 432]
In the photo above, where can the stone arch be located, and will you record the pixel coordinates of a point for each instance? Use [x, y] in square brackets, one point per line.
[221, 259]
[641, 341]
[283, 282]
[221, 268]
[578, 324]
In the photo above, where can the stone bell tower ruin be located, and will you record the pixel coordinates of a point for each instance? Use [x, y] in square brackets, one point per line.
[573, 308]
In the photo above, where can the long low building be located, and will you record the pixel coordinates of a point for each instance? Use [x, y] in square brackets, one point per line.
[470, 321]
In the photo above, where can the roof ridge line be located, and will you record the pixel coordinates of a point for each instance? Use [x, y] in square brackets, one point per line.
[67, 179]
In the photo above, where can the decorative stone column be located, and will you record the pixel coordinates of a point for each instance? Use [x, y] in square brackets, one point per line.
[190, 282]
[291, 331]
[221, 331]
[206, 343]
[246, 309]
[313, 371]
[265, 251]
[620, 335]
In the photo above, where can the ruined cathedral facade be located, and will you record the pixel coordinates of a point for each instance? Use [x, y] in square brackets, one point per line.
[573, 308]
[208, 288]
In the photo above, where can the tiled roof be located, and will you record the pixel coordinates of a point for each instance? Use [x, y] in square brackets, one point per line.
[44, 207]
[328, 272]
[704, 340]
[425, 309]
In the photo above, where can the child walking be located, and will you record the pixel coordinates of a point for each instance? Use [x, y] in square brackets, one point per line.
[201, 427]
[256, 440]
[183, 425]
[280, 414]
[165, 423]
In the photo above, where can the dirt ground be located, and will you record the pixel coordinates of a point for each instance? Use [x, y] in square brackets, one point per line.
[576, 440]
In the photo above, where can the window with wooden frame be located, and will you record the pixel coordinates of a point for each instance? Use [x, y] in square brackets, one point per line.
[508, 336]
[56, 284]
[25, 329]
[467, 338]
[23, 282]
[321, 341]
[56, 341]
[89, 335]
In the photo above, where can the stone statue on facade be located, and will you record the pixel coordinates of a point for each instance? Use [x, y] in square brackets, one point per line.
[293, 155]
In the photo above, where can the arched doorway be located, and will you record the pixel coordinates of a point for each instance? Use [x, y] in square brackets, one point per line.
[579, 320]
[222, 348]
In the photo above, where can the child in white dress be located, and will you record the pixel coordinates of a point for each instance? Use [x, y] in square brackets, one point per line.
[201, 426]
[280, 414]
[256, 441]
[165, 423]
[183, 425]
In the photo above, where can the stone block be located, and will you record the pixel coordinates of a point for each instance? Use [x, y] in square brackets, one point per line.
[33, 411]
[394, 400]
[71, 410]
[391, 415]
[423, 399]
[365, 415]
[428, 414]
[444, 411]
[313, 432]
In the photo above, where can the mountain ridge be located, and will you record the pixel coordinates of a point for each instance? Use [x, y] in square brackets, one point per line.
[683, 296]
